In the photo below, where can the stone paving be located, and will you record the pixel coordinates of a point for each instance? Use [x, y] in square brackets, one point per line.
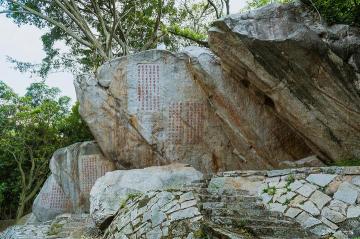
[155, 215]
[320, 199]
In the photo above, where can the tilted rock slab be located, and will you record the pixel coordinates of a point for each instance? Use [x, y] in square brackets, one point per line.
[309, 72]
[74, 171]
[156, 108]
[112, 190]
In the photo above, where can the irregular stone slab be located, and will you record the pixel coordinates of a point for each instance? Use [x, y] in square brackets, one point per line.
[353, 211]
[111, 190]
[332, 215]
[306, 190]
[356, 180]
[320, 179]
[338, 206]
[301, 67]
[277, 207]
[292, 212]
[310, 207]
[320, 199]
[328, 223]
[76, 168]
[322, 230]
[306, 220]
[347, 193]
[156, 107]
[51, 201]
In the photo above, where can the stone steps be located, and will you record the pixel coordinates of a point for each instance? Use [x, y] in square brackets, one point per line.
[227, 198]
[237, 214]
[252, 221]
[280, 232]
[217, 232]
[243, 212]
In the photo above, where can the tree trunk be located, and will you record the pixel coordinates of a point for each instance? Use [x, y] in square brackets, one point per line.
[21, 206]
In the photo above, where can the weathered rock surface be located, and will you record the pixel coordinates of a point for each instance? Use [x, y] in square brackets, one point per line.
[69, 226]
[157, 214]
[156, 108]
[51, 201]
[306, 71]
[224, 205]
[111, 190]
[74, 171]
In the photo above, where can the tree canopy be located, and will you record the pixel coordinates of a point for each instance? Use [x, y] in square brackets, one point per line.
[96, 31]
[333, 11]
[33, 126]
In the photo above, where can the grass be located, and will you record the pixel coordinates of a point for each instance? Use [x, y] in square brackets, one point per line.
[348, 162]
[270, 190]
[55, 229]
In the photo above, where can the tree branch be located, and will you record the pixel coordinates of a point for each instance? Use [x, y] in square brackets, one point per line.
[54, 22]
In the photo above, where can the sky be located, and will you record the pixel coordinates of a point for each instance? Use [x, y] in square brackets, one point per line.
[24, 44]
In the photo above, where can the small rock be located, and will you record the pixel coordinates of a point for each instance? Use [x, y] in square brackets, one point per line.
[274, 173]
[185, 213]
[347, 193]
[306, 220]
[188, 204]
[293, 212]
[329, 223]
[298, 200]
[306, 190]
[266, 198]
[353, 211]
[332, 215]
[321, 179]
[186, 197]
[295, 185]
[286, 197]
[356, 180]
[310, 207]
[277, 207]
[320, 199]
[338, 206]
[340, 235]
[321, 230]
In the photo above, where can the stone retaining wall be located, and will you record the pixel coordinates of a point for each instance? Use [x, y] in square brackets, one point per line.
[324, 200]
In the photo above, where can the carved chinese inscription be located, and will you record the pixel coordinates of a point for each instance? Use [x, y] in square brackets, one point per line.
[91, 167]
[55, 198]
[186, 122]
[148, 90]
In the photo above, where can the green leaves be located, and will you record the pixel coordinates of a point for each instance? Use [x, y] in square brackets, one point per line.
[333, 11]
[97, 31]
[32, 128]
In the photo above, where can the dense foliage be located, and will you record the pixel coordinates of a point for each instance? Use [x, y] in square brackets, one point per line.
[333, 11]
[32, 128]
[96, 31]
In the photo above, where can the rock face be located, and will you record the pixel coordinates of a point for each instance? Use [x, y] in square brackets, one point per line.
[308, 72]
[156, 108]
[115, 187]
[74, 171]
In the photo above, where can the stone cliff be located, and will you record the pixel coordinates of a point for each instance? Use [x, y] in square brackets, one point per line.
[308, 72]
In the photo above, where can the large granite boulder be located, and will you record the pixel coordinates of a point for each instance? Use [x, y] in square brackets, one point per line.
[51, 201]
[112, 190]
[307, 71]
[74, 171]
[156, 108]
